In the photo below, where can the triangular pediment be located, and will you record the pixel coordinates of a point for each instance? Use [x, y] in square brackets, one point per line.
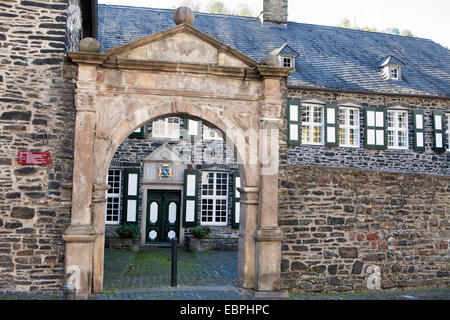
[182, 44]
[166, 153]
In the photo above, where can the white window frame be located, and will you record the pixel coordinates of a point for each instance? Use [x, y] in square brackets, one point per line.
[211, 133]
[394, 73]
[214, 197]
[347, 127]
[284, 59]
[116, 196]
[311, 124]
[395, 129]
[447, 117]
[165, 134]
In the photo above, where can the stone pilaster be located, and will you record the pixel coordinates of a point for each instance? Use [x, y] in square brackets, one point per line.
[80, 234]
[247, 248]
[98, 220]
[267, 235]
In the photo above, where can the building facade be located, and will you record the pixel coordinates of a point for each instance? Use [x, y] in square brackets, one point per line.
[359, 197]
[160, 152]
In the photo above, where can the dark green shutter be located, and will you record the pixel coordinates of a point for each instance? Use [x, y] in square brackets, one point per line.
[419, 130]
[375, 133]
[294, 124]
[331, 125]
[439, 131]
[131, 195]
[141, 133]
[190, 198]
[236, 201]
[190, 137]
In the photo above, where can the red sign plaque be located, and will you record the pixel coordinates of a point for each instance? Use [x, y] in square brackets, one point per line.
[36, 158]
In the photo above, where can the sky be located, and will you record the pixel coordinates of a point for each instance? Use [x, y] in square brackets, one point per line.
[425, 19]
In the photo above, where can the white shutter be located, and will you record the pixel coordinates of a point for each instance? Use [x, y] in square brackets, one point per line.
[131, 194]
[293, 122]
[190, 198]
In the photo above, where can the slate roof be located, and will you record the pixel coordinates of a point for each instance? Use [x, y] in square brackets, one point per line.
[286, 50]
[328, 57]
[390, 60]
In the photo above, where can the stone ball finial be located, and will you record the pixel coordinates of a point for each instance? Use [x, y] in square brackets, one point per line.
[90, 45]
[271, 60]
[184, 15]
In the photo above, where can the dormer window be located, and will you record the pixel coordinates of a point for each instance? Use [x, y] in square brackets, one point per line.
[391, 68]
[286, 55]
[286, 62]
[394, 73]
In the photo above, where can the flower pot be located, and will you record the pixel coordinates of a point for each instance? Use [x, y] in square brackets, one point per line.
[125, 234]
[199, 245]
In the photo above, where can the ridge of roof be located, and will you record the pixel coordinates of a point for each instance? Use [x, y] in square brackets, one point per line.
[173, 10]
[329, 57]
[269, 25]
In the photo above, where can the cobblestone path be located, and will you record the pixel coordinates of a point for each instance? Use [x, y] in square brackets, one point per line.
[201, 276]
[151, 267]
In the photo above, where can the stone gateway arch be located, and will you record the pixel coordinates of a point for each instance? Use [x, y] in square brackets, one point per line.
[180, 71]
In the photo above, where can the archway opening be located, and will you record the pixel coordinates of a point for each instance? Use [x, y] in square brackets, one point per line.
[176, 175]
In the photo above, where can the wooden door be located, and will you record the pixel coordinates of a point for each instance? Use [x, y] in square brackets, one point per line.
[163, 212]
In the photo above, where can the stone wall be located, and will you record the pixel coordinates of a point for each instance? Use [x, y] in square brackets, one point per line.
[36, 114]
[338, 222]
[346, 212]
[405, 161]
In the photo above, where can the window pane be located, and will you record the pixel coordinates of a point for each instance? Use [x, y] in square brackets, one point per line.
[352, 137]
[113, 197]
[306, 135]
[305, 114]
[214, 197]
[312, 124]
[391, 138]
[318, 114]
[402, 139]
[402, 120]
[317, 134]
[342, 117]
[342, 136]
[352, 117]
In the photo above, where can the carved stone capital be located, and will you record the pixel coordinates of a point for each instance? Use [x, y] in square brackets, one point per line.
[270, 110]
[85, 101]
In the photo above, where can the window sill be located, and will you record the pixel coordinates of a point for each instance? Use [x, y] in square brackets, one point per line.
[396, 148]
[213, 139]
[166, 138]
[346, 146]
[214, 225]
[313, 144]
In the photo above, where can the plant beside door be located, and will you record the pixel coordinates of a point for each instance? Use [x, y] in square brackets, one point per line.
[128, 230]
[199, 240]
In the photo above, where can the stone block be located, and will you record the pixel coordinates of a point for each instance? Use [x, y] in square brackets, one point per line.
[22, 213]
[348, 252]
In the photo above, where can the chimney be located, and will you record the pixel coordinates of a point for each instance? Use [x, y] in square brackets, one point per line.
[275, 11]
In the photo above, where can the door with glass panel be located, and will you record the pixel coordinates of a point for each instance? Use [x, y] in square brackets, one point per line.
[163, 211]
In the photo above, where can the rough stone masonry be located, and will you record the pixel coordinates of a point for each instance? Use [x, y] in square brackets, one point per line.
[351, 219]
[37, 114]
[347, 212]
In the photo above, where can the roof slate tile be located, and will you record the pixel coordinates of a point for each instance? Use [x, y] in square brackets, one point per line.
[329, 57]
